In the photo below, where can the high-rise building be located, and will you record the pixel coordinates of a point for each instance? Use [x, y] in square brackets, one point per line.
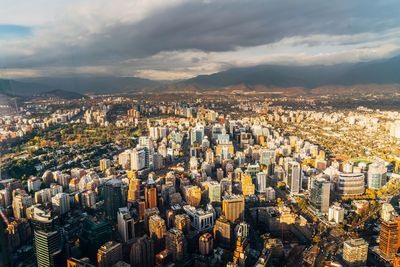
[233, 208]
[150, 196]
[182, 222]
[248, 187]
[376, 175]
[320, 195]
[109, 254]
[389, 238]
[176, 243]
[112, 198]
[94, 233]
[142, 252]
[20, 203]
[193, 195]
[262, 181]
[355, 252]
[126, 224]
[294, 177]
[197, 134]
[157, 227]
[201, 220]
[206, 244]
[147, 145]
[214, 192]
[47, 240]
[336, 214]
[351, 184]
[134, 189]
[60, 203]
[223, 233]
[138, 159]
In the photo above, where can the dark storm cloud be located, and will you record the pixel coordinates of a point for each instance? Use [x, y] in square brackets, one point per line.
[218, 26]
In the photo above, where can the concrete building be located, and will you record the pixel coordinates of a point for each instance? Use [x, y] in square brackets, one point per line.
[355, 252]
[126, 225]
[233, 208]
[320, 195]
[109, 254]
[200, 220]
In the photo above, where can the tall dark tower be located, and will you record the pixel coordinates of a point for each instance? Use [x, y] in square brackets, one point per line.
[112, 198]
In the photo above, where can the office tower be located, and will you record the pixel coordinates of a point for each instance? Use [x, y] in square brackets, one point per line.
[389, 238]
[355, 252]
[320, 195]
[206, 244]
[241, 252]
[294, 177]
[72, 262]
[351, 184]
[214, 192]
[94, 234]
[157, 227]
[267, 156]
[124, 159]
[248, 187]
[134, 189]
[223, 232]
[60, 203]
[226, 186]
[182, 222]
[126, 224]
[34, 184]
[150, 196]
[262, 182]
[176, 243]
[138, 159]
[109, 254]
[233, 208]
[20, 203]
[142, 252]
[47, 240]
[242, 230]
[193, 195]
[89, 199]
[336, 214]
[112, 198]
[376, 175]
[153, 133]
[197, 134]
[201, 220]
[105, 164]
[147, 145]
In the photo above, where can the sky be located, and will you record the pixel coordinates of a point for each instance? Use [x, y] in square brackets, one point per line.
[180, 39]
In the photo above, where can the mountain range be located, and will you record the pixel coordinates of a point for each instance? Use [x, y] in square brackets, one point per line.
[382, 72]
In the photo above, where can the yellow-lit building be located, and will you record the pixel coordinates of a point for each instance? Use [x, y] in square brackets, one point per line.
[233, 207]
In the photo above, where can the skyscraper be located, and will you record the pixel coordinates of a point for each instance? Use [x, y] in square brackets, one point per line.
[20, 202]
[206, 244]
[197, 134]
[60, 203]
[109, 254]
[112, 198]
[223, 232]
[320, 195]
[150, 196]
[142, 252]
[294, 177]
[233, 208]
[389, 238]
[214, 192]
[176, 243]
[138, 159]
[157, 227]
[262, 182]
[376, 175]
[47, 240]
[126, 224]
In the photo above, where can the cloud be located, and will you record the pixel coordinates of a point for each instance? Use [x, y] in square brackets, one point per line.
[185, 38]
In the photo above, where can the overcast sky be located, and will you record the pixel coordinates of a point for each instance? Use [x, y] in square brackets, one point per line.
[177, 39]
